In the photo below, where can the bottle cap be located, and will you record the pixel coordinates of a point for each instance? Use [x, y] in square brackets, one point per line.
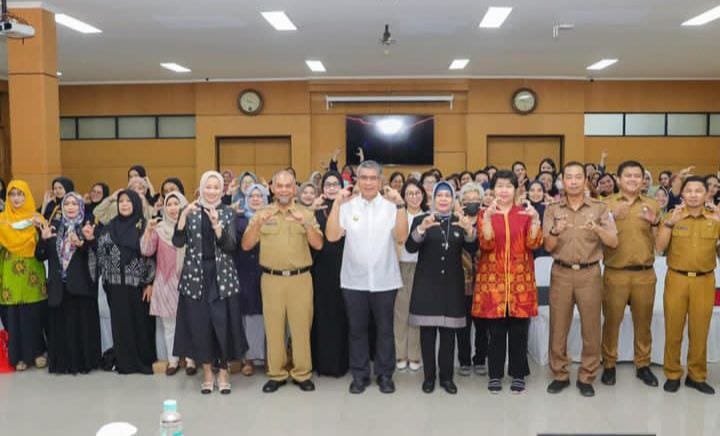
[170, 406]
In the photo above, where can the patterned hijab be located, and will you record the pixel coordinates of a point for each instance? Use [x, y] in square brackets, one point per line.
[65, 248]
[255, 186]
[17, 233]
[203, 182]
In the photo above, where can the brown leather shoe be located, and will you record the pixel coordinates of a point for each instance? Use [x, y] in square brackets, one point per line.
[171, 370]
[191, 370]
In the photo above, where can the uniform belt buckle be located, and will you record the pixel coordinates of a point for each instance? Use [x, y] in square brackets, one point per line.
[286, 273]
[692, 274]
[575, 266]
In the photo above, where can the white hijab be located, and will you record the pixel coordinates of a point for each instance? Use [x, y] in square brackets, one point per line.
[203, 182]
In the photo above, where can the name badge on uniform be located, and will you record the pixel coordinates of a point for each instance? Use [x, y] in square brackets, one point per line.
[356, 218]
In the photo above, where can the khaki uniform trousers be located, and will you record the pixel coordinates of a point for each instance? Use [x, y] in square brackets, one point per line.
[407, 337]
[568, 288]
[636, 288]
[288, 300]
[690, 298]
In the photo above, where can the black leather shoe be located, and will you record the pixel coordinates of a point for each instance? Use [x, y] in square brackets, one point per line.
[671, 385]
[557, 386]
[358, 386]
[428, 386]
[608, 376]
[700, 386]
[586, 389]
[306, 385]
[646, 376]
[272, 386]
[387, 386]
[449, 386]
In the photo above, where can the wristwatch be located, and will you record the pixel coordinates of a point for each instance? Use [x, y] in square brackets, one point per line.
[400, 206]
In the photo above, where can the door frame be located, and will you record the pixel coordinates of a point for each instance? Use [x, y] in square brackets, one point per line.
[561, 137]
[219, 139]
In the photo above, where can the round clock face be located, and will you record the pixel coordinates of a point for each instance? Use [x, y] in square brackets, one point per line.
[250, 102]
[524, 101]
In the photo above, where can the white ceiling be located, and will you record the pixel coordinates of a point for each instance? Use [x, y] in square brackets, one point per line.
[228, 39]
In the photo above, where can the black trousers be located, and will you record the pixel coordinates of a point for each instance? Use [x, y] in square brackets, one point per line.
[464, 335]
[446, 352]
[508, 336]
[360, 305]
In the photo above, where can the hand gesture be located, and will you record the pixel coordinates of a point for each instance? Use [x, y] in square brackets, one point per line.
[530, 211]
[73, 237]
[603, 156]
[490, 211]
[464, 221]
[591, 223]
[37, 220]
[88, 231]
[678, 213]
[192, 207]
[685, 172]
[116, 193]
[648, 214]
[345, 195]
[547, 199]
[48, 197]
[212, 214]
[622, 210]
[152, 225]
[560, 223]
[319, 203]
[147, 294]
[360, 154]
[47, 231]
[86, 198]
[427, 222]
[392, 195]
[263, 217]
[233, 187]
[715, 211]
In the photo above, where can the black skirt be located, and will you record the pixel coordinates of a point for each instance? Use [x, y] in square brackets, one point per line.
[74, 335]
[210, 330]
[25, 324]
[133, 329]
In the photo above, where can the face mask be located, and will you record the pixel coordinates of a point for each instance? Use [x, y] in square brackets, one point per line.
[471, 209]
[21, 225]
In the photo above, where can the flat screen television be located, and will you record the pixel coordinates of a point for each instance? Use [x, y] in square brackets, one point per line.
[391, 139]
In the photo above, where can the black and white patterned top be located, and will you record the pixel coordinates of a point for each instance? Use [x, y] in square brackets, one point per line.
[140, 271]
[197, 236]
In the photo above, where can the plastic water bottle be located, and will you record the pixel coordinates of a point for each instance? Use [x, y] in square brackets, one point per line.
[170, 420]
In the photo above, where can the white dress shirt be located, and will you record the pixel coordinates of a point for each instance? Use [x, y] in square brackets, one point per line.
[370, 260]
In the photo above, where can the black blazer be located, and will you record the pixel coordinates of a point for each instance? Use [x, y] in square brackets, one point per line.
[79, 282]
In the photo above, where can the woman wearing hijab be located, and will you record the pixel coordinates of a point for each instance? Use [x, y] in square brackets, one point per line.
[139, 171]
[73, 334]
[437, 304]
[3, 193]
[127, 279]
[306, 194]
[505, 291]
[243, 183]
[209, 317]
[329, 334]
[99, 192]
[248, 269]
[23, 296]
[157, 241]
[107, 209]
[51, 209]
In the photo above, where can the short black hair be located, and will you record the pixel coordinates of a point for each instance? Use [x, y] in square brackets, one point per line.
[395, 174]
[630, 164]
[490, 167]
[574, 163]
[699, 179]
[550, 162]
[505, 175]
[481, 172]
[415, 183]
[426, 174]
[462, 173]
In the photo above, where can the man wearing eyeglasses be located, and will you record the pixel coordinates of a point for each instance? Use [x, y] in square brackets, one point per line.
[370, 273]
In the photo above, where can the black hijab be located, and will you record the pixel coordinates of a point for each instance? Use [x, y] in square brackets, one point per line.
[175, 181]
[3, 190]
[65, 182]
[90, 205]
[125, 231]
[325, 176]
[139, 169]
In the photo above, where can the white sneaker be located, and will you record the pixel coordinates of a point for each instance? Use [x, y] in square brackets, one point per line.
[401, 365]
[415, 366]
[480, 369]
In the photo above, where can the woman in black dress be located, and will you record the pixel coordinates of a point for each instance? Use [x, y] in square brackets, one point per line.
[99, 192]
[60, 186]
[209, 317]
[127, 279]
[329, 335]
[437, 304]
[73, 333]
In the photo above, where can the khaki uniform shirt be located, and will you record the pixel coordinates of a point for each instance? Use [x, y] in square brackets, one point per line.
[577, 244]
[284, 243]
[693, 243]
[636, 242]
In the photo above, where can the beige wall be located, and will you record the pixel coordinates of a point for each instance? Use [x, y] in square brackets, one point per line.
[296, 109]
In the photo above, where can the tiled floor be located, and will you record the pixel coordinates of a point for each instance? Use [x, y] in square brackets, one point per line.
[36, 403]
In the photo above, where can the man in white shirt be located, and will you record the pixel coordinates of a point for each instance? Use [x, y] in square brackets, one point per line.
[370, 273]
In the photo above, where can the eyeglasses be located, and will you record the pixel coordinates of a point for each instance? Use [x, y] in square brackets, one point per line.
[331, 185]
[413, 194]
[368, 178]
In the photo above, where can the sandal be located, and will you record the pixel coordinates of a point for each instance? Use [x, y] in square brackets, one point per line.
[21, 366]
[224, 386]
[247, 369]
[41, 361]
[207, 387]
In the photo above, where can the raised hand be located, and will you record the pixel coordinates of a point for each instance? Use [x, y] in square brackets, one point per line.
[48, 197]
[88, 231]
[47, 231]
[392, 195]
[192, 207]
[560, 223]
[464, 221]
[263, 217]
[491, 210]
[212, 214]
[622, 210]
[678, 213]
[530, 211]
[591, 223]
[152, 225]
[75, 240]
[345, 195]
[648, 214]
[319, 203]
[427, 222]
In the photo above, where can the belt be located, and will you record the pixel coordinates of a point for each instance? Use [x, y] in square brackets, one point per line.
[692, 273]
[632, 267]
[575, 266]
[284, 273]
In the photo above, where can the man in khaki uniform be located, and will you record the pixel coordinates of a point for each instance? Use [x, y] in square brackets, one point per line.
[285, 231]
[575, 230]
[689, 236]
[629, 275]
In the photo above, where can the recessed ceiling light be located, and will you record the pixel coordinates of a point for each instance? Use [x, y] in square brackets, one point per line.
[459, 64]
[172, 66]
[495, 17]
[602, 64]
[279, 20]
[316, 66]
[704, 18]
[75, 24]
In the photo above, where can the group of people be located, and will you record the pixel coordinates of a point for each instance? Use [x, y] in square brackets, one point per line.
[351, 268]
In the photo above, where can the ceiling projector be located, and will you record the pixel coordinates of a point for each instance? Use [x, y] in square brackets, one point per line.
[14, 29]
